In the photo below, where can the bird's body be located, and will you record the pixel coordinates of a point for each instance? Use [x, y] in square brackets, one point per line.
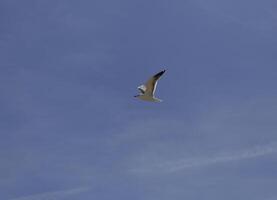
[147, 90]
[149, 98]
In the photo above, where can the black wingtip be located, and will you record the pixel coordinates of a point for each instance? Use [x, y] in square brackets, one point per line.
[163, 71]
[158, 75]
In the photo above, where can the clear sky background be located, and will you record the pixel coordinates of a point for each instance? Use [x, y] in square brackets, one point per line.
[71, 129]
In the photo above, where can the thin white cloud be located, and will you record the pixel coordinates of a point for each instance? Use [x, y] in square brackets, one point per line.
[57, 195]
[187, 163]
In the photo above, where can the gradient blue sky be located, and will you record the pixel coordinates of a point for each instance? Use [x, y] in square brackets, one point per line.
[71, 129]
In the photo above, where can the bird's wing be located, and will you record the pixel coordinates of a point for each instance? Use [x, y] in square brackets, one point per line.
[151, 84]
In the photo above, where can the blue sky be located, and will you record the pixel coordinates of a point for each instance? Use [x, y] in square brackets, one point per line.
[71, 129]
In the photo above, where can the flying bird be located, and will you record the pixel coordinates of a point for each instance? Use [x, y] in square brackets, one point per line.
[147, 91]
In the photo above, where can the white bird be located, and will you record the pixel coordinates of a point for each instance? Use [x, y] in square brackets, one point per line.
[147, 90]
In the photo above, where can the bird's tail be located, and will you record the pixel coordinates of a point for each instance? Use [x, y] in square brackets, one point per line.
[157, 100]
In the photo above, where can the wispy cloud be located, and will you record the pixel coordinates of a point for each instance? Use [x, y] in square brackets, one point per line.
[187, 163]
[53, 195]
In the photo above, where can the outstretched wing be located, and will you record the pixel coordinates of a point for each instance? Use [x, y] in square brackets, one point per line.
[151, 84]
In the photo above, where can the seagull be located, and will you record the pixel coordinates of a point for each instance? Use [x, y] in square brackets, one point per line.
[147, 90]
